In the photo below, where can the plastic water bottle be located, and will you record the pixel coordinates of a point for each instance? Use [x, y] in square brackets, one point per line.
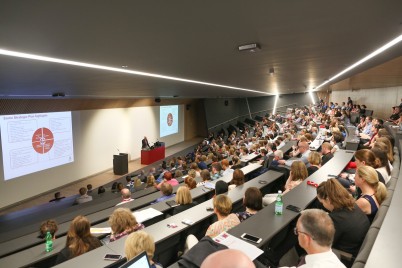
[49, 242]
[279, 204]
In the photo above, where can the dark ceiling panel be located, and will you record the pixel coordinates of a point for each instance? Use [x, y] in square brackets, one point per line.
[305, 41]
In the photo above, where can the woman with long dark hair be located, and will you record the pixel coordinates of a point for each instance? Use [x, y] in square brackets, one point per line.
[79, 240]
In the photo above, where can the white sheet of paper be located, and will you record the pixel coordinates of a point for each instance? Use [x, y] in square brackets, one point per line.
[104, 230]
[146, 214]
[233, 242]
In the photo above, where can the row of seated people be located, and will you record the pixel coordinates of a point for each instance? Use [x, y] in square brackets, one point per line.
[295, 162]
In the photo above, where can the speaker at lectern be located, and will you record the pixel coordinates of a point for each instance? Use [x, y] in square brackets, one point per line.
[120, 164]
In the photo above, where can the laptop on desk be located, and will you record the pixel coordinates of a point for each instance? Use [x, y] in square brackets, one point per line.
[139, 261]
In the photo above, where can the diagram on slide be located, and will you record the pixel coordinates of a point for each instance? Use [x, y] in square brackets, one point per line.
[34, 142]
[42, 140]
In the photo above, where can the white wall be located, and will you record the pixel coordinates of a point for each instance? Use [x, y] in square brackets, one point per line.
[97, 134]
[378, 99]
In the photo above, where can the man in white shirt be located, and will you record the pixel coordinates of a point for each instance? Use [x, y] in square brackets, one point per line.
[126, 196]
[315, 232]
[304, 149]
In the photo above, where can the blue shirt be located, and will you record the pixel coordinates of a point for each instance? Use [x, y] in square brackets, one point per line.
[162, 198]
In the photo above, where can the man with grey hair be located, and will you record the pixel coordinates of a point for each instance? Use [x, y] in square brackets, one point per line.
[315, 232]
[304, 150]
[126, 196]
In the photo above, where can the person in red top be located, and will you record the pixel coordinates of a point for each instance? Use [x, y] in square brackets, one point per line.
[168, 178]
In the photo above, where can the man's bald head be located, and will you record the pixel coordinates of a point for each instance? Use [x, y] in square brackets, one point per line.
[228, 258]
[125, 193]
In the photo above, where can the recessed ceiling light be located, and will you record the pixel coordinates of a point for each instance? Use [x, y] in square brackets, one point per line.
[124, 66]
[120, 70]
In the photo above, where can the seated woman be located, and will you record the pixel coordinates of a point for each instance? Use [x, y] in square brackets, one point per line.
[351, 224]
[123, 222]
[151, 182]
[167, 192]
[48, 226]
[226, 220]
[138, 242]
[298, 173]
[363, 157]
[252, 201]
[190, 182]
[79, 240]
[167, 178]
[385, 144]
[314, 159]
[373, 191]
[184, 199]
[206, 177]
[237, 179]
[382, 162]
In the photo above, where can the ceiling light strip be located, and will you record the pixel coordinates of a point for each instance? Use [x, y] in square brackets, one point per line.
[113, 69]
[369, 56]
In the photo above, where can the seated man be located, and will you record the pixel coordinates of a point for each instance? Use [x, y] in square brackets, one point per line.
[278, 155]
[304, 150]
[126, 196]
[327, 155]
[225, 166]
[395, 114]
[216, 171]
[167, 192]
[84, 197]
[57, 197]
[315, 232]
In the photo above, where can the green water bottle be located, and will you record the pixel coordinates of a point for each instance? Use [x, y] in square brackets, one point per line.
[279, 204]
[49, 242]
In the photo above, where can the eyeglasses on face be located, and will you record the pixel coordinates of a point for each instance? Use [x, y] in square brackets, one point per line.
[297, 232]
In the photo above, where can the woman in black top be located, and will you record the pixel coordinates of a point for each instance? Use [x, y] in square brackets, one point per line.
[351, 224]
[183, 199]
[79, 240]
[314, 159]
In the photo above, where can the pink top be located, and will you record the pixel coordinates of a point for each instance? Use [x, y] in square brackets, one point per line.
[172, 182]
[223, 225]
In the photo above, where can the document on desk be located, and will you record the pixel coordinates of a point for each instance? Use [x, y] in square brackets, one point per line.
[104, 230]
[146, 214]
[233, 242]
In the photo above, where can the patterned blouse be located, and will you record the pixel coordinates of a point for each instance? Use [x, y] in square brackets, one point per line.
[243, 215]
[223, 225]
[114, 237]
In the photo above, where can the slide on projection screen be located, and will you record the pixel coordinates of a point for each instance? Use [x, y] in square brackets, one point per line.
[34, 142]
[169, 120]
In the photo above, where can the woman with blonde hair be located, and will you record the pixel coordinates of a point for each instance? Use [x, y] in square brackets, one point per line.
[298, 173]
[226, 220]
[350, 222]
[123, 222]
[151, 181]
[138, 242]
[183, 199]
[314, 159]
[79, 240]
[373, 191]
